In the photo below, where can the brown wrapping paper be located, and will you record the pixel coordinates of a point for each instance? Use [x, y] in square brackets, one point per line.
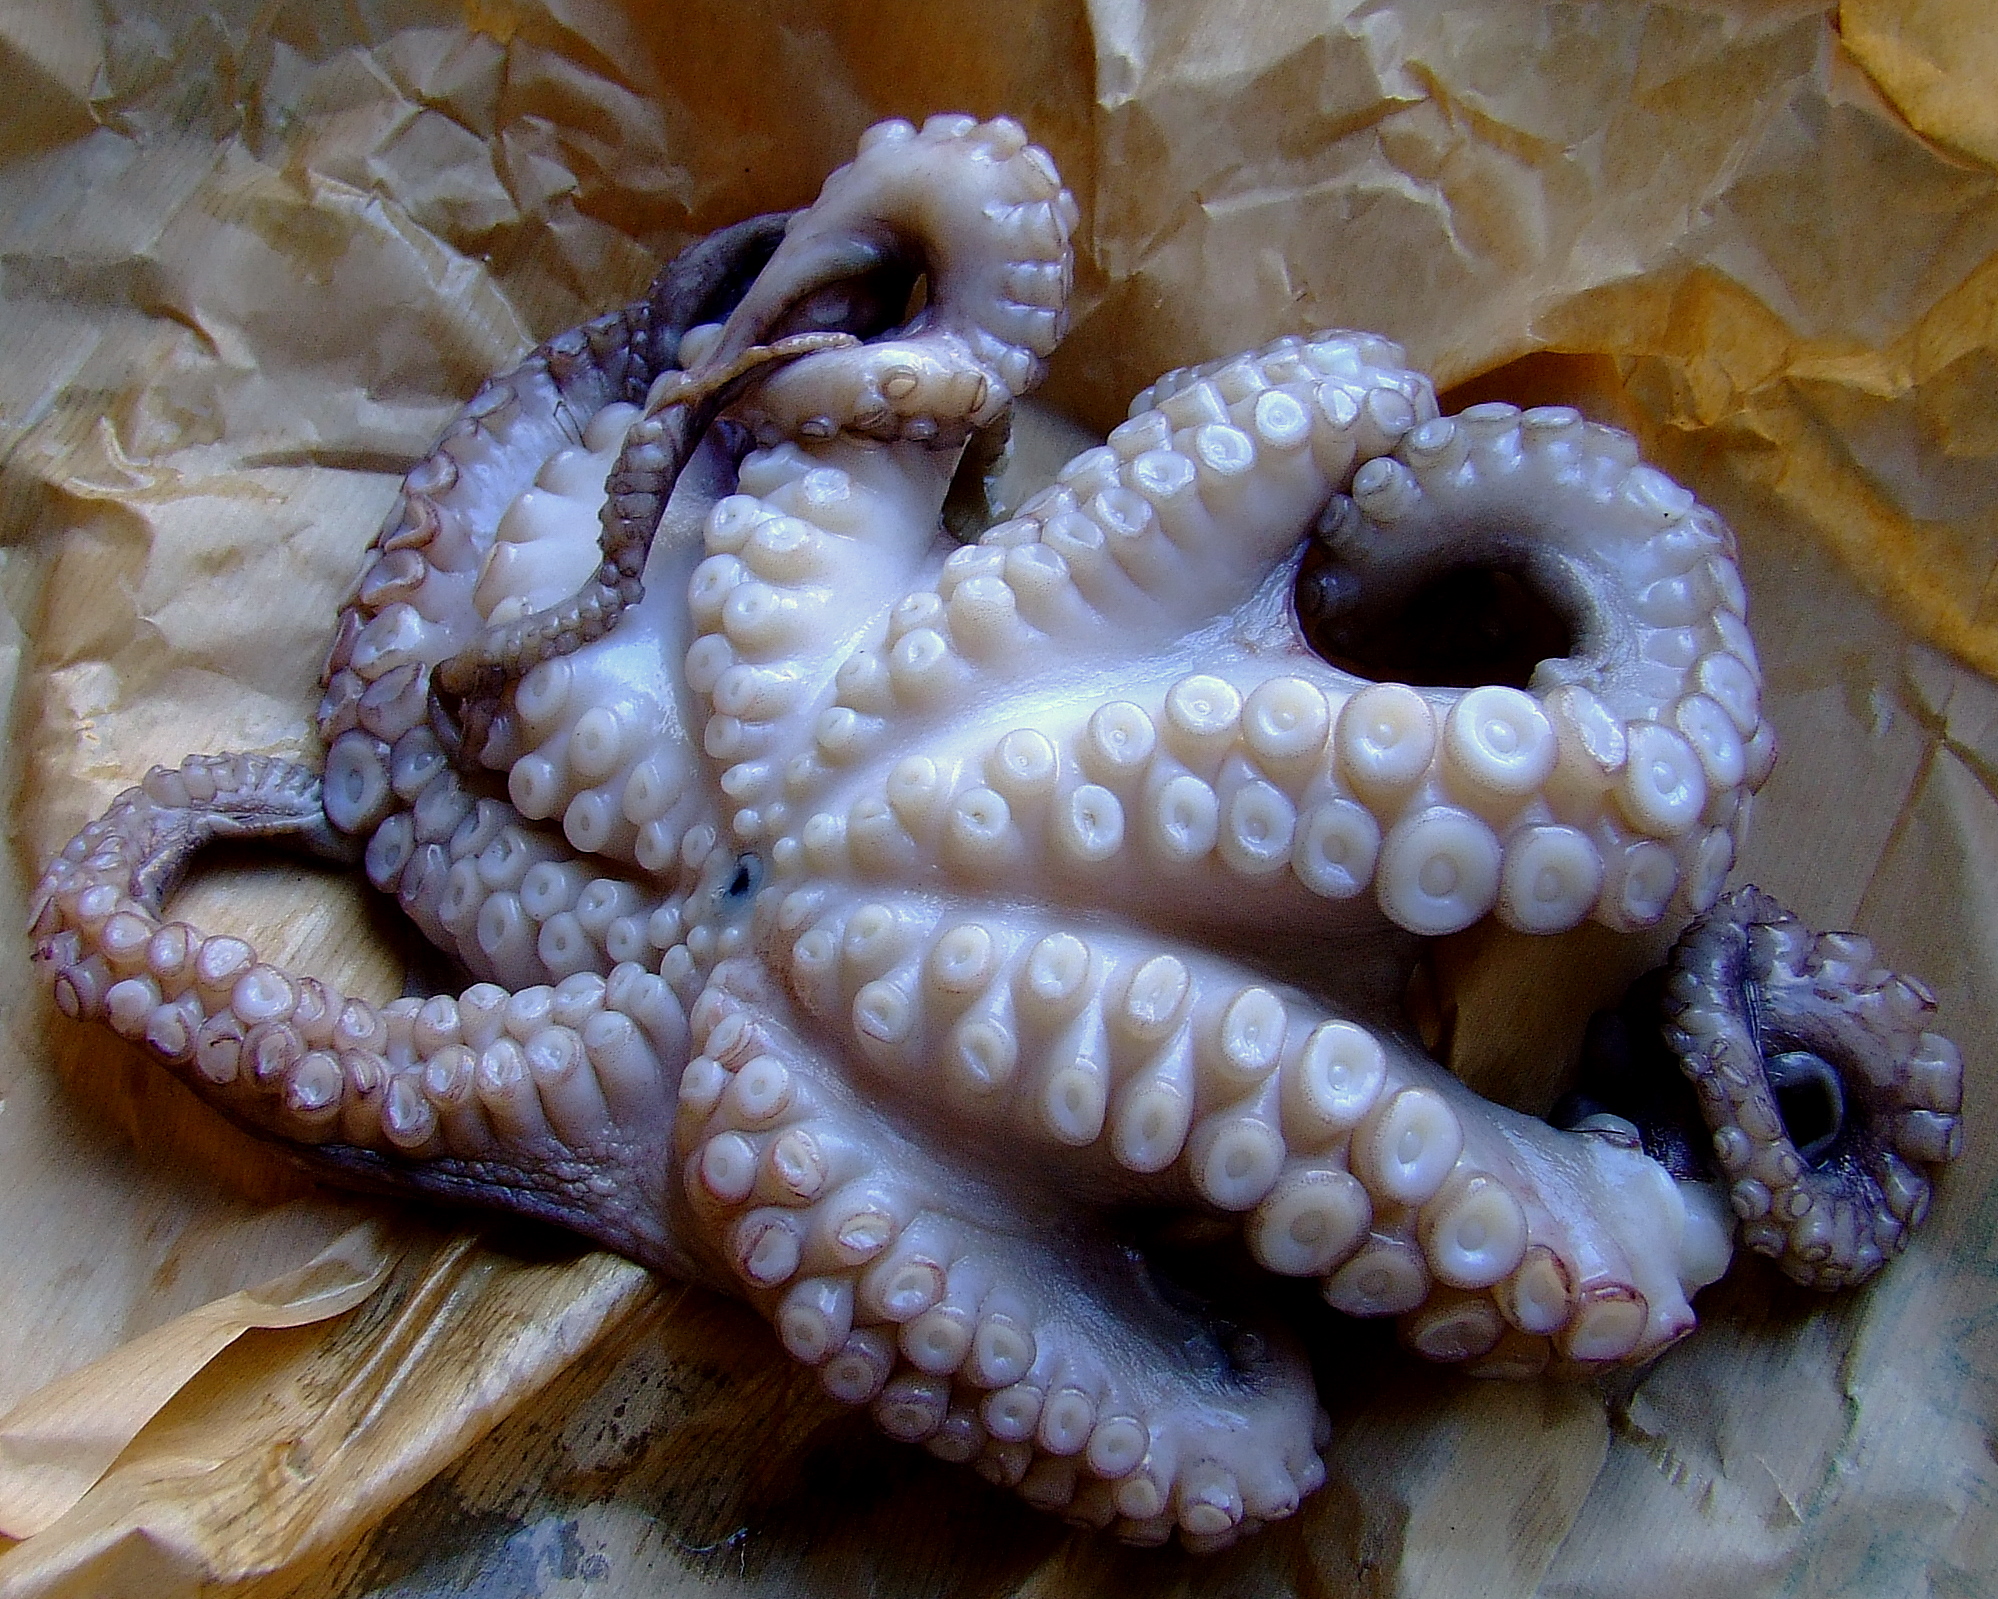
[251, 258]
[56, 1445]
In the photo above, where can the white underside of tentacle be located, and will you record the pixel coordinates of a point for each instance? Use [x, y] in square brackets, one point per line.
[600, 741]
[995, 224]
[1146, 1068]
[1613, 787]
[907, 1281]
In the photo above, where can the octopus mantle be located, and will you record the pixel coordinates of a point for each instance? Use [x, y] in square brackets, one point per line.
[897, 932]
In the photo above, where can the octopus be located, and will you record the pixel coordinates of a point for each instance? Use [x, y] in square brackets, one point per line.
[982, 950]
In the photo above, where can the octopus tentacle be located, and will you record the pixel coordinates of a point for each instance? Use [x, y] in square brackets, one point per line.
[1614, 781]
[1266, 785]
[413, 605]
[596, 741]
[974, 207]
[1648, 737]
[515, 1096]
[514, 904]
[1149, 1071]
[1188, 508]
[914, 1289]
[828, 527]
[677, 414]
[460, 861]
[1763, 1017]
[468, 543]
[817, 543]
[703, 281]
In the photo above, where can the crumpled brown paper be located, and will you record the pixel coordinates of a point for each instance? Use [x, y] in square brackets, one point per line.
[56, 1444]
[250, 259]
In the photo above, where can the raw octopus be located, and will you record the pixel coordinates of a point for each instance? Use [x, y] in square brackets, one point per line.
[903, 933]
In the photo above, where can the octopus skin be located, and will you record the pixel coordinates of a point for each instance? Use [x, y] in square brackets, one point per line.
[891, 931]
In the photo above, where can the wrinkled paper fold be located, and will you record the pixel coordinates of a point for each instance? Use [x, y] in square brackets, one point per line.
[57, 1443]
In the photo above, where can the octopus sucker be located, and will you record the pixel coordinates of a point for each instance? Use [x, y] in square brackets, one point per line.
[894, 929]
[860, 1244]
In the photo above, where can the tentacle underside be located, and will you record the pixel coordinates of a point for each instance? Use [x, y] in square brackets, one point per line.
[544, 1097]
[1613, 787]
[868, 923]
[1003, 1332]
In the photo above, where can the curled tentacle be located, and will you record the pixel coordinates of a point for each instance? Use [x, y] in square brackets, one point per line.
[1643, 741]
[539, 1099]
[974, 211]
[1194, 500]
[1830, 1102]
[705, 282]
[465, 689]
[1612, 784]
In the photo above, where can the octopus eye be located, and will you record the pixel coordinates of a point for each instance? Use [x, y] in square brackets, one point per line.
[1456, 626]
[1811, 1100]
